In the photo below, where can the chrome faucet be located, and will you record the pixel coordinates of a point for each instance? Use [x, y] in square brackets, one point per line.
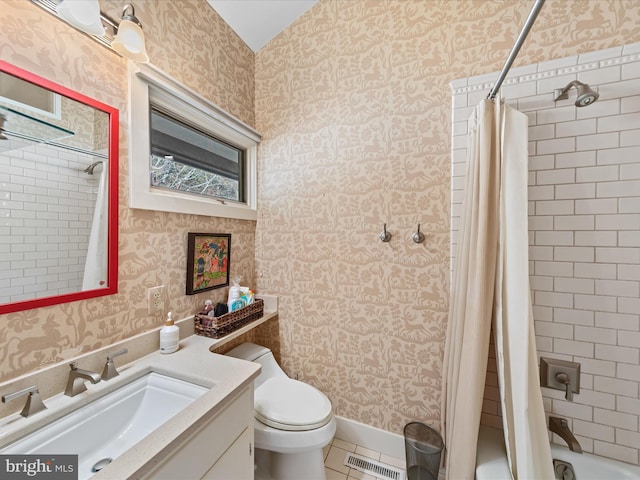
[77, 377]
[561, 427]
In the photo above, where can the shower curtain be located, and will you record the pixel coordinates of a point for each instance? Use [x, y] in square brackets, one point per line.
[95, 267]
[491, 285]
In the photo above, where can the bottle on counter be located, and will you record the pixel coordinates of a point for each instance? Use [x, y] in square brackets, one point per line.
[169, 336]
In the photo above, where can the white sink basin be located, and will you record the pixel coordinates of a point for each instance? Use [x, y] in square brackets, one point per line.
[110, 425]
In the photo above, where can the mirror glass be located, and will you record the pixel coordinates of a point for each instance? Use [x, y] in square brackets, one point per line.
[58, 193]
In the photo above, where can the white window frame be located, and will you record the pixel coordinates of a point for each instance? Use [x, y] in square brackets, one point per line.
[149, 85]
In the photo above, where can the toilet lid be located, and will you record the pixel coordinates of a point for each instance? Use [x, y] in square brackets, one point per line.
[288, 404]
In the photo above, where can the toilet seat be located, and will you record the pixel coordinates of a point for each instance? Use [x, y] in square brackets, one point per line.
[287, 404]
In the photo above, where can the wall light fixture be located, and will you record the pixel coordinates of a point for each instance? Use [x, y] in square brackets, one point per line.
[125, 37]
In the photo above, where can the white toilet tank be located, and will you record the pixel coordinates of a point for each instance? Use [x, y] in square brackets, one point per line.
[259, 354]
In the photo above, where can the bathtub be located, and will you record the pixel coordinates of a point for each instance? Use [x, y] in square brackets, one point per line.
[491, 462]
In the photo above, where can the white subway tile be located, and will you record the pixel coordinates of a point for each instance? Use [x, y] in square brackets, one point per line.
[540, 223]
[600, 75]
[557, 63]
[539, 283]
[630, 70]
[629, 239]
[598, 141]
[597, 303]
[574, 222]
[631, 48]
[575, 128]
[629, 305]
[630, 171]
[572, 410]
[554, 238]
[628, 272]
[618, 354]
[617, 255]
[593, 430]
[618, 287]
[600, 205]
[518, 90]
[579, 190]
[627, 438]
[629, 205]
[540, 253]
[617, 452]
[575, 317]
[596, 399]
[596, 367]
[544, 344]
[615, 156]
[616, 419]
[552, 177]
[629, 339]
[554, 207]
[600, 55]
[626, 221]
[577, 159]
[554, 330]
[571, 347]
[630, 104]
[544, 162]
[573, 254]
[619, 321]
[628, 372]
[542, 132]
[556, 269]
[596, 335]
[560, 145]
[617, 123]
[628, 405]
[630, 138]
[602, 107]
[598, 238]
[626, 188]
[545, 192]
[597, 174]
[542, 313]
[551, 299]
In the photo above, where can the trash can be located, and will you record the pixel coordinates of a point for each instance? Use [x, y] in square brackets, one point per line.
[423, 448]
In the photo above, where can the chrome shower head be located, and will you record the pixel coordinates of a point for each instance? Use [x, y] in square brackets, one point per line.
[586, 95]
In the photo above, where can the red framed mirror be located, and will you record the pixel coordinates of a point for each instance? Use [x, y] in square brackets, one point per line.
[58, 193]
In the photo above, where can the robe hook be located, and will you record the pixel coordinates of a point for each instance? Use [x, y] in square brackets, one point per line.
[418, 237]
[384, 235]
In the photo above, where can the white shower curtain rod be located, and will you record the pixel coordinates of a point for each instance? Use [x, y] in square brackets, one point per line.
[516, 48]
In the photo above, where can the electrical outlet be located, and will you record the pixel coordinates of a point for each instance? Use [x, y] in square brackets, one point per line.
[155, 297]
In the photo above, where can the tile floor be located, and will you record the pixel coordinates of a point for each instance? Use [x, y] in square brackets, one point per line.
[335, 468]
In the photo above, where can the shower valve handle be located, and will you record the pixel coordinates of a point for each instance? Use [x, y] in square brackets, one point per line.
[564, 379]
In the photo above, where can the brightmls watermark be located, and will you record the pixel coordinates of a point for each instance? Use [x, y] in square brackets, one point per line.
[39, 467]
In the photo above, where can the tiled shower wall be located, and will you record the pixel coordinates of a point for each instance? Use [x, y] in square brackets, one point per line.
[584, 235]
[44, 193]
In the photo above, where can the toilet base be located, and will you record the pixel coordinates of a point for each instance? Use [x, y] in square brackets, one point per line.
[308, 465]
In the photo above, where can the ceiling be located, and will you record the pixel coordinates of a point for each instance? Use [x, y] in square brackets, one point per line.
[258, 21]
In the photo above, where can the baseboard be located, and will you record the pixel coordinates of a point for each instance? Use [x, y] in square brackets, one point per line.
[370, 437]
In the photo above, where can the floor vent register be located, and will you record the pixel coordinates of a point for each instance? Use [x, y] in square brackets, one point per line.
[377, 469]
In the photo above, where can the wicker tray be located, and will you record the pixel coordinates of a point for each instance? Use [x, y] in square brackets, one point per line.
[218, 327]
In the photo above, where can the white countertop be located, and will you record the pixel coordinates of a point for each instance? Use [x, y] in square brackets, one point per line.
[225, 376]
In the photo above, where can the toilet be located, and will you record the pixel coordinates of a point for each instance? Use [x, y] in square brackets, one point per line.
[294, 421]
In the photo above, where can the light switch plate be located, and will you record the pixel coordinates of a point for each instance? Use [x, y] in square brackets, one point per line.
[550, 367]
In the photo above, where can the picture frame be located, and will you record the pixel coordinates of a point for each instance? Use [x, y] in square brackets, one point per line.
[208, 261]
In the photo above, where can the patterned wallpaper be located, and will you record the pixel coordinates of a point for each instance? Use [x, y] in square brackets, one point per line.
[152, 245]
[353, 102]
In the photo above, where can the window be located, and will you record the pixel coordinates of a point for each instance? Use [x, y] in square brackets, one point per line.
[187, 155]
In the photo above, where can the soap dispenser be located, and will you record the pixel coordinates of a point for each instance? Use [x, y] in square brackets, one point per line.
[169, 336]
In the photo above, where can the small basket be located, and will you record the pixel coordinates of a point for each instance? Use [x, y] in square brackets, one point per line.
[218, 327]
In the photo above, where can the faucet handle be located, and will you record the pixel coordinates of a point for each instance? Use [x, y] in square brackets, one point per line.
[110, 370]
[34, 400]
[564, 379]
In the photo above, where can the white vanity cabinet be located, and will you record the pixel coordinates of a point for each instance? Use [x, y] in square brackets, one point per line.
[221, 449]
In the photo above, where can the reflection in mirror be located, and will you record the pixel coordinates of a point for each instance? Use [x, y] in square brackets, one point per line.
[58, 193]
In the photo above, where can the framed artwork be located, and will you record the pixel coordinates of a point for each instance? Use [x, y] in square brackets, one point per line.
[208, 256]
